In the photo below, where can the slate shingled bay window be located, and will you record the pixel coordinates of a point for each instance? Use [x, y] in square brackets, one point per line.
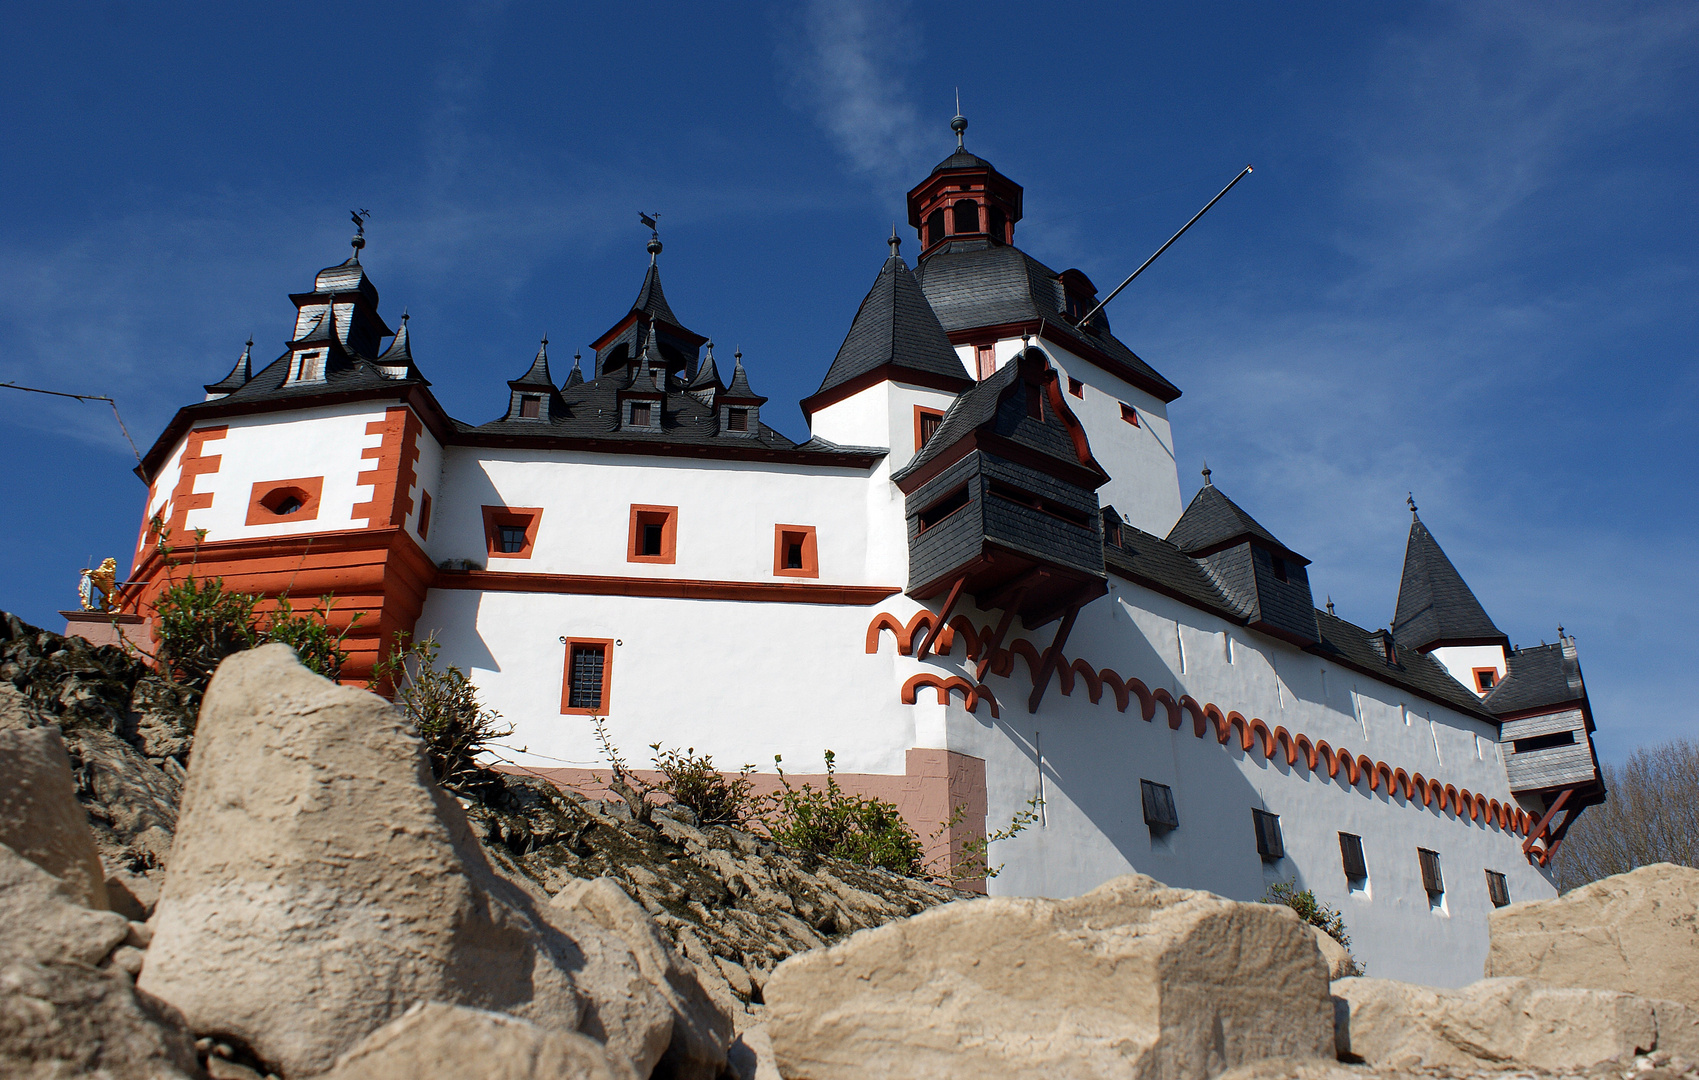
[586, 686]
[1498, 890]
[1270, 845]
[1159, 812]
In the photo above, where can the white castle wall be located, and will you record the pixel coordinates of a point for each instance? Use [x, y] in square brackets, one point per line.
[1462, 660]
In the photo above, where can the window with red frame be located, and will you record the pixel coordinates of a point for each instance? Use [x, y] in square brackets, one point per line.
[985, 360]
[1129, 414]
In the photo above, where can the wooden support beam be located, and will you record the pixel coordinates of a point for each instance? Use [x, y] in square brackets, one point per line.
[1540, 830]
[943, 619]
[1048, 668]
[989, 647]
[1562, 831]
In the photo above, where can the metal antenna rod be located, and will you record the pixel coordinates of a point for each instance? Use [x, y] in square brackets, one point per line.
[1164, 247]
[85, 397]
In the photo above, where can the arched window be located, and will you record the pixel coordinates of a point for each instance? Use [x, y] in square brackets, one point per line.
[998, 224]
[967, 217]
[934, 227]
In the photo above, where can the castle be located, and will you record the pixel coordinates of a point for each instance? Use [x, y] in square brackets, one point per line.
[975, 582]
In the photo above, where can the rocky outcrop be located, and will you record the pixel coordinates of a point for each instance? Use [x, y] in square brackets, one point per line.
[1636, 932]
[40, 818]
[1340, 963]
[437, 1040]
[1133, 979]
[127, 733]
[701, 1027]
[1499, 1023]
[734, 903]
[65, 1009]
[321, 883]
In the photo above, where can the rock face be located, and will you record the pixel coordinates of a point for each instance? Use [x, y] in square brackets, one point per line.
[1507, 1022]
[701, 1028]
[40, 818]
[1133, 979]
[65, 1010]
[320, 883]
[127, 732]
[1337, 957]
[437, 1040]
[734, 903]
[1636, 932]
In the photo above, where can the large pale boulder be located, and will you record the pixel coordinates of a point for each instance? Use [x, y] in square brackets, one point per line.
[1637, 932]
[437, 1040]
[1336, 956]
[701, 1028]
[320, 883]
[61, 1015]
[1131, 980]
[1506, 1023]
[40, 817]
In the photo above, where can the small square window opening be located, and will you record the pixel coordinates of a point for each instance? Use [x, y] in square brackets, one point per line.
[794, 551]
[926, 423]
[530, 407]
[640, 413]
[1269, 842]
[1129, 414]
[1075, 387]
[1432, 880]
[1485, 678]
[653, 535]
[1280, 569]
[510, 531]
[512, 539]
[651, 544]
[1497, 888]
[1159, 812]
[1351, 857]
[737, 419]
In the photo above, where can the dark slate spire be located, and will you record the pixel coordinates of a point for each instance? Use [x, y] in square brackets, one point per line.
[239, 375]
[739, 390]
[1212, 521]
[896, 327]
[1435, 606]
[575, 377]
[651, 301]
[707, 375]
[538, 375]
[400, 350]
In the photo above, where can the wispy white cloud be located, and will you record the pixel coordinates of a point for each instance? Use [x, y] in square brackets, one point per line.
[845, 63]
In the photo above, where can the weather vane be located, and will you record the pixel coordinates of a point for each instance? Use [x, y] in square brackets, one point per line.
[653, 223]
[359, 240]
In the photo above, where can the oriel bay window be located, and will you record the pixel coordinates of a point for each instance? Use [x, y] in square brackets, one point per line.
[585, 684]
[510, 531]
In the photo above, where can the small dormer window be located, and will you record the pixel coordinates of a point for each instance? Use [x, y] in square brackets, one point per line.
[1485, 679]
[1280, 569]
[531, 407]
[641, 413]
[311, 368]
[737, 419]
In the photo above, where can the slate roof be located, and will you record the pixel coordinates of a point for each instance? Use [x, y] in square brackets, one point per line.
[972, 283]
[895, 325]
[739, 392]
[1537, 677]
[961, 159]
[1154, 562]
[400, 354]
[238, 374]
[1434, 603]
[652, 301]
[1212, 521]
[538, 374]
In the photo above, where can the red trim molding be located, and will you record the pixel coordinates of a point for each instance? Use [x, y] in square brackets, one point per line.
[194, 464]
[772, 592]
[392, 477]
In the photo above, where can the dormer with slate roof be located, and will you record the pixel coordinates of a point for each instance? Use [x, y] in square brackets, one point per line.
[649, 324]
[739, 406]
[1264, 579]
[1003, 499]
[533, 394]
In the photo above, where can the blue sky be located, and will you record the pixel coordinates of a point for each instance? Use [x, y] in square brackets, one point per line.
[1465, 265]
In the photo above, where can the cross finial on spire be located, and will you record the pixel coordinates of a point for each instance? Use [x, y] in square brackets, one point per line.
[1206, 480]
[1410, 500]
[1330, 604]
[959, 124]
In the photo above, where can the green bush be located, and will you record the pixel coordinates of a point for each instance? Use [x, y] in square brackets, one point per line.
[691, 780]
[201, 622]
[1311, 910]
[442, 705]
[831, 821]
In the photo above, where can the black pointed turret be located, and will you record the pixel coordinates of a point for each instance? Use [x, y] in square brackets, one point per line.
[239, 375]
[1435, 606]
[575, 377]
[895, 335]
[533, 396]
[650, 324]
[651, 300]
[707, 375]
[1266, 580]
[739, 391]
[397, 360]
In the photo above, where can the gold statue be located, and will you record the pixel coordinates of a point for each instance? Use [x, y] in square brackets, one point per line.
[102, 581]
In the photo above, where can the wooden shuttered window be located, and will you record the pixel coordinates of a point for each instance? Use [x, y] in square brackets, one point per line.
[1432, 880]
[1351, 857]
[1159, 812]
[1269, 842]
